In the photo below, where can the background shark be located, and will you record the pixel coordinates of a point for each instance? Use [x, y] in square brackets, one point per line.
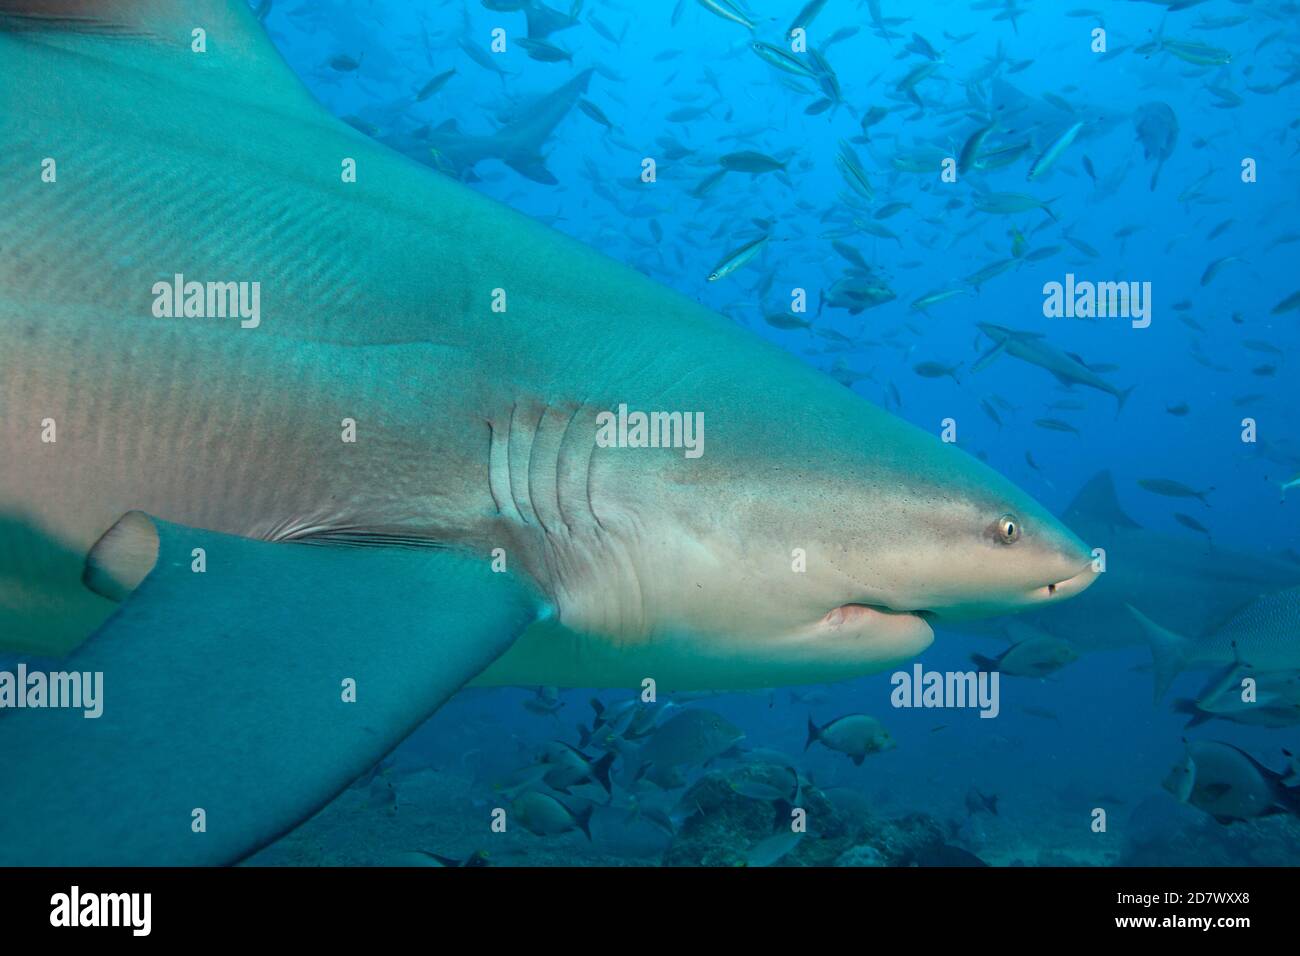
[332, 567]
[518, 144]
[1192, 585]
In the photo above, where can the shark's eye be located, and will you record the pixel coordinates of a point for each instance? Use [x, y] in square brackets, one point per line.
[1008, 529]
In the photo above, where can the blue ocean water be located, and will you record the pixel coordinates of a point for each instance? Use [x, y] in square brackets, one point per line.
[1213, 239]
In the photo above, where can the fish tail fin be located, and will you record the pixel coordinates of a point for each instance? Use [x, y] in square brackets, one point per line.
[1187, 706]
[600, 770]
[984, 663]
[583, 819]
[989, 356]
[1160, 30]
[1155, 177]
[813, 734]
[1168, 652]
[1121, 397]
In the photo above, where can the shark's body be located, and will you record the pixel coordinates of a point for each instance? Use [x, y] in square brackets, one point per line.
[474, 523]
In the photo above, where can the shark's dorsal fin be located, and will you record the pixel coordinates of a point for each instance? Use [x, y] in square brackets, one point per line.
[1097, 502]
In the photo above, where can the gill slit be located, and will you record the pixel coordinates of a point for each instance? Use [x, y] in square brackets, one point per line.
[510, 471]
[530, 474]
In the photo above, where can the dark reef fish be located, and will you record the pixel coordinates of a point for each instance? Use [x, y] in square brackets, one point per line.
[1229, 784]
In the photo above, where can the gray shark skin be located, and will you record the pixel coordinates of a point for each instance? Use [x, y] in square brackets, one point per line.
[474, 530]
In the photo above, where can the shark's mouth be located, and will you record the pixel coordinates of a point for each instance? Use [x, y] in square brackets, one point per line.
[866, 618]
[849, 614]
[1067, 588]
[869, 618]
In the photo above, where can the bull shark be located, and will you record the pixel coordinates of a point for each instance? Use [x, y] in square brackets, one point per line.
[284, 543]
[1019, 115]
[518, 144]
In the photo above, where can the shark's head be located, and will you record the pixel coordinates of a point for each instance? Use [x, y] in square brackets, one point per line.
[815, 536]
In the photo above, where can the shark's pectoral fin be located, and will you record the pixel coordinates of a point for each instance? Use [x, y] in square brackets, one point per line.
[245, 683]
[532, 167]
